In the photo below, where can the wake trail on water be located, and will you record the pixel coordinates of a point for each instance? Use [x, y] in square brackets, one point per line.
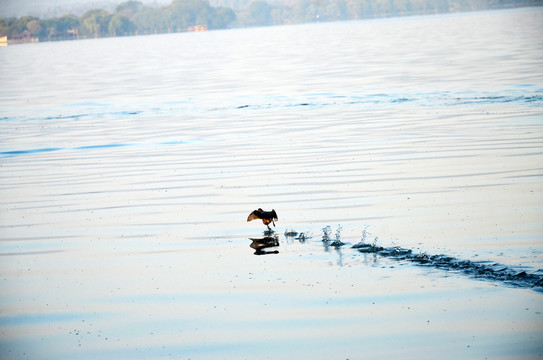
[481, 270]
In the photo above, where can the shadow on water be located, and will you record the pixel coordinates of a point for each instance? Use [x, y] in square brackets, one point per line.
[268, 241]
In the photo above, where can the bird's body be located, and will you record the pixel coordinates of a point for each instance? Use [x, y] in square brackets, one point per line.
[267, 217]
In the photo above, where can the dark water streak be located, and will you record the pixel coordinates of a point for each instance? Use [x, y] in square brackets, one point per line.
[482, 270]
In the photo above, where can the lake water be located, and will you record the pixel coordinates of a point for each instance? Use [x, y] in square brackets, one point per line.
[128, 167]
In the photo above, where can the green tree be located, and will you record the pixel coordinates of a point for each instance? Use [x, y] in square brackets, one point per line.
[187, 13]
[3, 27]
[67, 23]
[65, 27]
[259, 13]
[305, 11]
[120, 25]
[20, 24]
[223, 18]
[182, 14]
[95, 22]
[34, 27]
[129, 8]
[335, 11]
[149, 20]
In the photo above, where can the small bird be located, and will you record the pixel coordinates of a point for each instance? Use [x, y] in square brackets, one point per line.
[266, 216]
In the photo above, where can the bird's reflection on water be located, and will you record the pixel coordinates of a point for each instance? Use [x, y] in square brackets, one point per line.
[260, 244]
[270, 239]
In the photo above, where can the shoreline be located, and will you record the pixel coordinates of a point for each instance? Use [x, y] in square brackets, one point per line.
[27, 38]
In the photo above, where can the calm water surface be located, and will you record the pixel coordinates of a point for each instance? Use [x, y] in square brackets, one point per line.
[129, 166]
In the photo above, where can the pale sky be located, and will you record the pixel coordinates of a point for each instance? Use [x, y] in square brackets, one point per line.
[50, 8]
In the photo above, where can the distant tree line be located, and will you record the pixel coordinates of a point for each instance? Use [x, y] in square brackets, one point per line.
[129, 18]
[133, 18]
[260, 12]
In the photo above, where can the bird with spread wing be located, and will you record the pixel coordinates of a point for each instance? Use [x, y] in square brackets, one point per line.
[267, 217]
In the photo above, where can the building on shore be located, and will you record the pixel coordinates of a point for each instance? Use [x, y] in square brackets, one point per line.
[23, 38]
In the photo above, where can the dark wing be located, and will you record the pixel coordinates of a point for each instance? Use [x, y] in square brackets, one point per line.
[253, 216]
[274, 214]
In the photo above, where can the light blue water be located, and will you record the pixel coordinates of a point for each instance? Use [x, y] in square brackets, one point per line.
[129, 166]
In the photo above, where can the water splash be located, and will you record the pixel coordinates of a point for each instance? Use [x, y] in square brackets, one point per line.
[362, 246]
[338, 232]
[362, 241]
[326, 231]
[300, 236]
[337, 242]
[289, 232]
[481, 270]
[304, 236]
[326, 238]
